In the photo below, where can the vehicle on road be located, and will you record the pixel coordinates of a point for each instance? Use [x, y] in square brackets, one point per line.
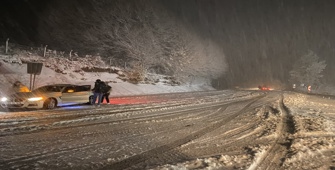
[264, 87]
[49, 97]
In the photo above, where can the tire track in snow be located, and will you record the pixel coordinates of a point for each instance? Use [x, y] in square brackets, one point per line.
[275, 156]
[39, 117]
[235, 140]
[23, 161]
[50, 124]
[29, 159]
[166, 149]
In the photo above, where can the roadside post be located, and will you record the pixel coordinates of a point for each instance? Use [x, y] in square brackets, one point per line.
[6, 51]
[45, 51]
[33, 69]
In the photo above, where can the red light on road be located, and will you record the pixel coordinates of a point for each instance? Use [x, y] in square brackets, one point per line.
[133, 100]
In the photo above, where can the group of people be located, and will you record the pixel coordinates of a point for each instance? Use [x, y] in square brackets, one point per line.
[101, 91]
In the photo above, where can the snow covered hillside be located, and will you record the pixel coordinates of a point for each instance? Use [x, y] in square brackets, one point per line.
[85, 71]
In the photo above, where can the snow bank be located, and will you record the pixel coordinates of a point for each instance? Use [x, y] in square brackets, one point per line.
[11, 72]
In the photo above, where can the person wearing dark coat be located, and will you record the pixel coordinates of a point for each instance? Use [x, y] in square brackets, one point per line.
[97, 92]
[106, 93]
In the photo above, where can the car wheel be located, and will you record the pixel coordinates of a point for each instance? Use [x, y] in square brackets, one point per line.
[50, 104]
[90, 100]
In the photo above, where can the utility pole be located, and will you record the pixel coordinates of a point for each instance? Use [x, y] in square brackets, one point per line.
[7, 45]
[70, 54]
[110, 65]
[45, 50]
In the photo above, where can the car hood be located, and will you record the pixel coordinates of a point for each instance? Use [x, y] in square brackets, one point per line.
[25, 95]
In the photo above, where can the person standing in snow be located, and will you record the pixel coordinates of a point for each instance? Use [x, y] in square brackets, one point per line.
[106, 92]
[97, 92]
[19, 87]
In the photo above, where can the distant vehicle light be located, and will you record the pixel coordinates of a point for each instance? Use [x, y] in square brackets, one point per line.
[35, 99]
[265, 88]
[4, 99]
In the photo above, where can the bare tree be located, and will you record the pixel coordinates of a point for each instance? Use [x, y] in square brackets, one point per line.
[142, 34]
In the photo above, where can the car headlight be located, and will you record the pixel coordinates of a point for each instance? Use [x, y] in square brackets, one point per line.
[3, 99]
[35, 99]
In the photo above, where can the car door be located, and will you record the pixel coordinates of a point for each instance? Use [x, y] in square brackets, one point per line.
[69, 95]
[75, 95]
[83, 93]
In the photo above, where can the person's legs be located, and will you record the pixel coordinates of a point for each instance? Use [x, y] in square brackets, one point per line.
[100, 98]
[107, 97]
[95, 95]
[103, 97]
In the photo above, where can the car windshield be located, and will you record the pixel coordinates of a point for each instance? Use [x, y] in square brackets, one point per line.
[49, 89]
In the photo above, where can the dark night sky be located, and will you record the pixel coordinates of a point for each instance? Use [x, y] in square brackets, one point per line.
[19, 19]
[260, 36]
[263, 36]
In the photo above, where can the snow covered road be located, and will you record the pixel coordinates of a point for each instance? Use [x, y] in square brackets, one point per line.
[199, 130]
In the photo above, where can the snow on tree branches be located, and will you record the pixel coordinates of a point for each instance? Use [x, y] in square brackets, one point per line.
[308, 69]
[137, 34]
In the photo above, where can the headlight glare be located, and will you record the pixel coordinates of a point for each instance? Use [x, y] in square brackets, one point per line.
[35, 99]
[3, 99]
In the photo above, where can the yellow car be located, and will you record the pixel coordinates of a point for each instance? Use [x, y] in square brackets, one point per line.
[49, 97]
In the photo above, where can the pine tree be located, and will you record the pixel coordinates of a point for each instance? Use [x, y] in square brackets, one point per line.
[308, 69]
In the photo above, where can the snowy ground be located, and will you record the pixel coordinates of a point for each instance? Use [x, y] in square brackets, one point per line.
[198, 130]
[299, 133]
[202, 129]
